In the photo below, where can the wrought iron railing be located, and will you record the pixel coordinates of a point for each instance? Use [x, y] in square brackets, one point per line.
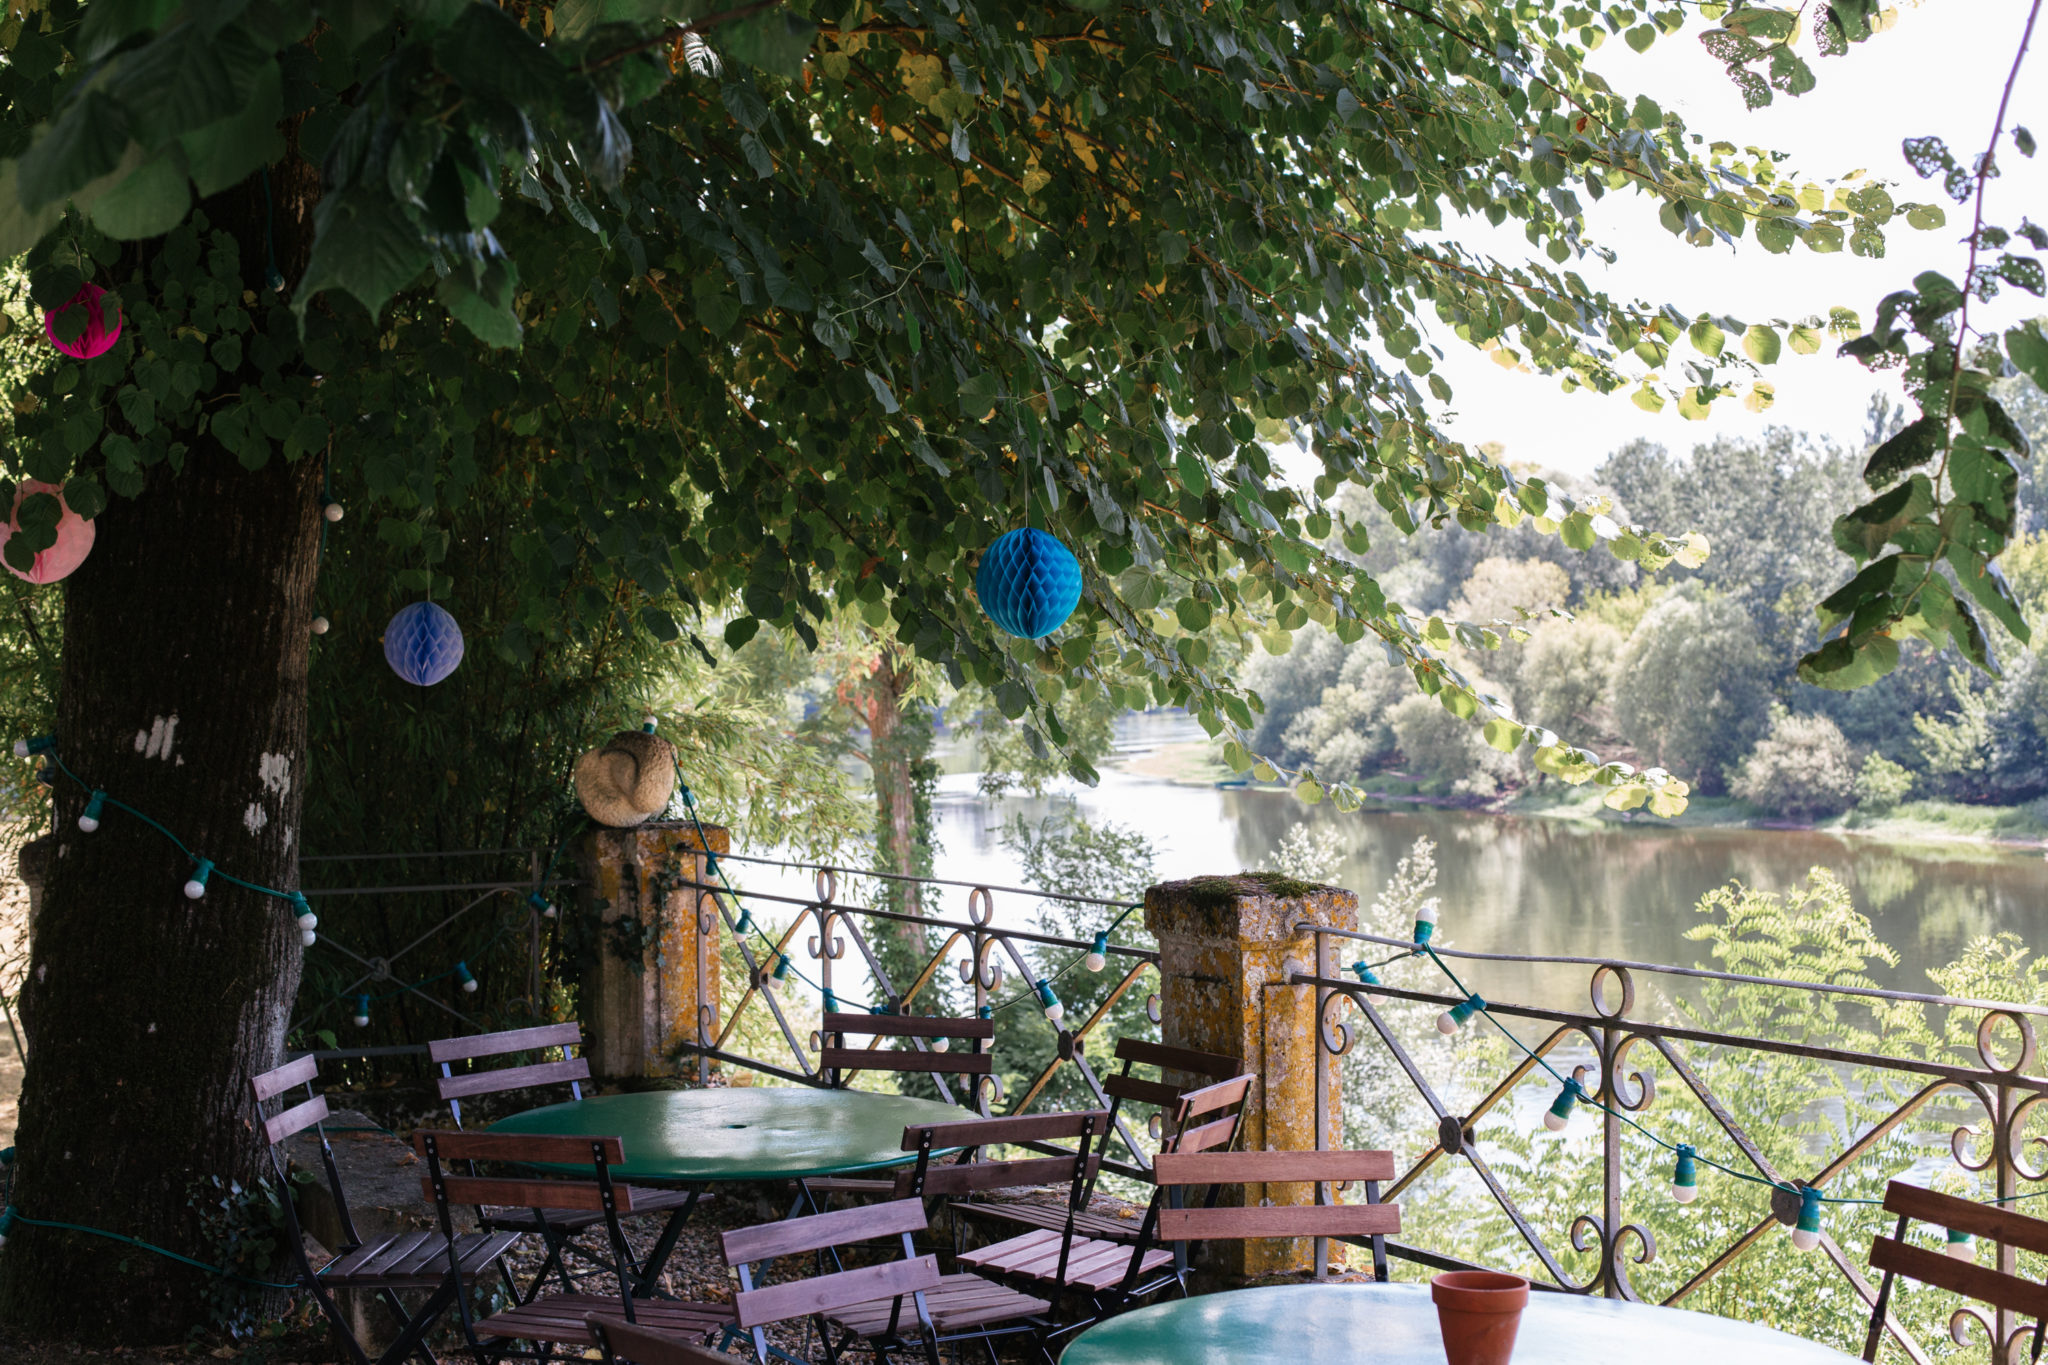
[811, 936]
[1985, 1103]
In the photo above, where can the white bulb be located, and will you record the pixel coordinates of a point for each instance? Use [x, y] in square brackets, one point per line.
[1445, 1024]
[1055, 1012]
[1804, 1240]
[362, 1021]
[941, 1044]
[1095, 962]
[1554, 1122]
[548, 913]
[309, 920]
[650, 720]
[194, 889]
[769, 983]
[1962, 1251]
[1685, 1194]
[307, 937]
[87, 823]
[469, 986]
[332, 511]
[319, 625]
[21, 748]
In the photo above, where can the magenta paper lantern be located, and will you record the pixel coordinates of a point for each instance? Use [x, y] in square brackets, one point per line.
[97, 337]
[74, 537]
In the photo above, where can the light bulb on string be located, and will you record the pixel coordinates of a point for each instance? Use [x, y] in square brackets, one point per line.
[710, 866]
[831, 1001]
[35, 744]
[542, 906]
[1961, 1245]
[1685, 1176]
[1098, 956]
[195, 886]
[1560, 1112]
[333, 510]
[985, 1012]
[307, 920]
[775, 980]
[466, 977]
[1452, 1019]
[1054, 1010]
[745, 923]
[942, 1044]
[1425, 922]
[1806, 1232]
[362, 1011]
[649, 722]
[1365, 974]
[320, 625]
[95, 806]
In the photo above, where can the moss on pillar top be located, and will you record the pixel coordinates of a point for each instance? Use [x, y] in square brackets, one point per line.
[1248, 906]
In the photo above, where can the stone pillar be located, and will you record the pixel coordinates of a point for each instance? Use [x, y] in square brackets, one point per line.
[636, 1012]
[1226, 948]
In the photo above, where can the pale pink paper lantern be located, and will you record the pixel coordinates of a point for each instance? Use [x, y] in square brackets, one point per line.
[74, 537]
[97, 337]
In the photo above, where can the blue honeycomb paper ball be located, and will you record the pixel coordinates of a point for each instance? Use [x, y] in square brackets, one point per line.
[422, 644]
[1028, 583]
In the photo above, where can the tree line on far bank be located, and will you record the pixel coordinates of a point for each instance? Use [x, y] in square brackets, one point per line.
[1689, 669]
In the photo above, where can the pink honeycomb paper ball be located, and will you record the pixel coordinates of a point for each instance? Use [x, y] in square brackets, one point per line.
[99, 335]
[74, 537]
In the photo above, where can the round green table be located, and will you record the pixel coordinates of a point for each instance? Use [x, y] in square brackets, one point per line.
[742, 1132]
[1395, 1324]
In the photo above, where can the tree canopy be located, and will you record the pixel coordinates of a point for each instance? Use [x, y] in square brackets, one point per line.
[797, 306]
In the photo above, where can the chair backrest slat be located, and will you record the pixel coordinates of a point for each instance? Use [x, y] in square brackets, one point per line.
[1982, 1283]
[1184, 1059]
[474, 1045]
[1132, 1088]
[639, 1346]
[910, 1026]
[1202, 1136]
[792, 1236]
[296, 1119]
[1265, 1168]
[533, 1148]
[801, 1298]
[529, 1194]
[1221, 1095]
[889, 1059]
[1013, 1129]
[1281, 1220]
[280, 1079]
[955, 1178]
[511, 1078]
[1967, 1215]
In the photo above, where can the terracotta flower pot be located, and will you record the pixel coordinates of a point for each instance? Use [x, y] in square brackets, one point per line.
[1479, 1312]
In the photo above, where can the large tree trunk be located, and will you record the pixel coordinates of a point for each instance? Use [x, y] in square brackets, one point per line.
[889, 760]
[183, 694]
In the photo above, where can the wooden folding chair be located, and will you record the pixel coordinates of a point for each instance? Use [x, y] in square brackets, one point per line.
[556, 1227]
[436, 1261]
[623, 1344]
[551, 1319]
[1371, 1219]
[840, 1062]
[1218, 1110]
[868, 1303]
[1895, 1257]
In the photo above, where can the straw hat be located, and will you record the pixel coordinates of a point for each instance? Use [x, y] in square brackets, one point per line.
[628, 781]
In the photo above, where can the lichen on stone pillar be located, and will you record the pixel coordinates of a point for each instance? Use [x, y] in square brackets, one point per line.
[1227, 947]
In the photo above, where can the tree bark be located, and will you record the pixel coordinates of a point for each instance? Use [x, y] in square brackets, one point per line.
[183, 693]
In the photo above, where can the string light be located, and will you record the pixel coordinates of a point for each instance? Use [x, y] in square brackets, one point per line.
[320, 625]
[1098, 956]
[1685, 1176]
[648, 722]
[1560, 1112]
[542, 906]
[307, 920]
[774, 981]
[1425, 922]
[195, 886]
[942, 1044]
[831, 1001]
[95, 807]
[1806, 1232]
[36, 744]
[362, 1018]
[1961, 1245]
[333, 510]
[1365, 974]
[1452, 1019]
[466, 977]
[1054, 1010]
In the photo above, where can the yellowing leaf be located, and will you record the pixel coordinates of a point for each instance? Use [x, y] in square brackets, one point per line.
[1760, 398]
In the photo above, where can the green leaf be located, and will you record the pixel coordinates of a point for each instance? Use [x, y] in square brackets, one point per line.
[363, 245]
[1805, 340]
[1926, 217]
[109, 23]
[148, 202]
[186, 79]
[1761, 343]
[776, 41]
[1193, 615]
[1842, 667]
[1503, 734]
[84, 144]
[1707, 338]
[2027, 348]
[1916, 444]
[740, 630]
[230, 151]
[492, 321]
[883, 394]
[2023, 139]
[1865, 531]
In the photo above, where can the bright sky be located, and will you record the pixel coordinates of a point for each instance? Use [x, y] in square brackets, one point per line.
[1939, 71]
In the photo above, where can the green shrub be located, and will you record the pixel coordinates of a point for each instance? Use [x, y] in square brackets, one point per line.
[1799, 770]
[1881, 784]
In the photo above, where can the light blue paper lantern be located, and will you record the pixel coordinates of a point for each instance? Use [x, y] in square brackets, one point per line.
[422, 644]
[1029, 583]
